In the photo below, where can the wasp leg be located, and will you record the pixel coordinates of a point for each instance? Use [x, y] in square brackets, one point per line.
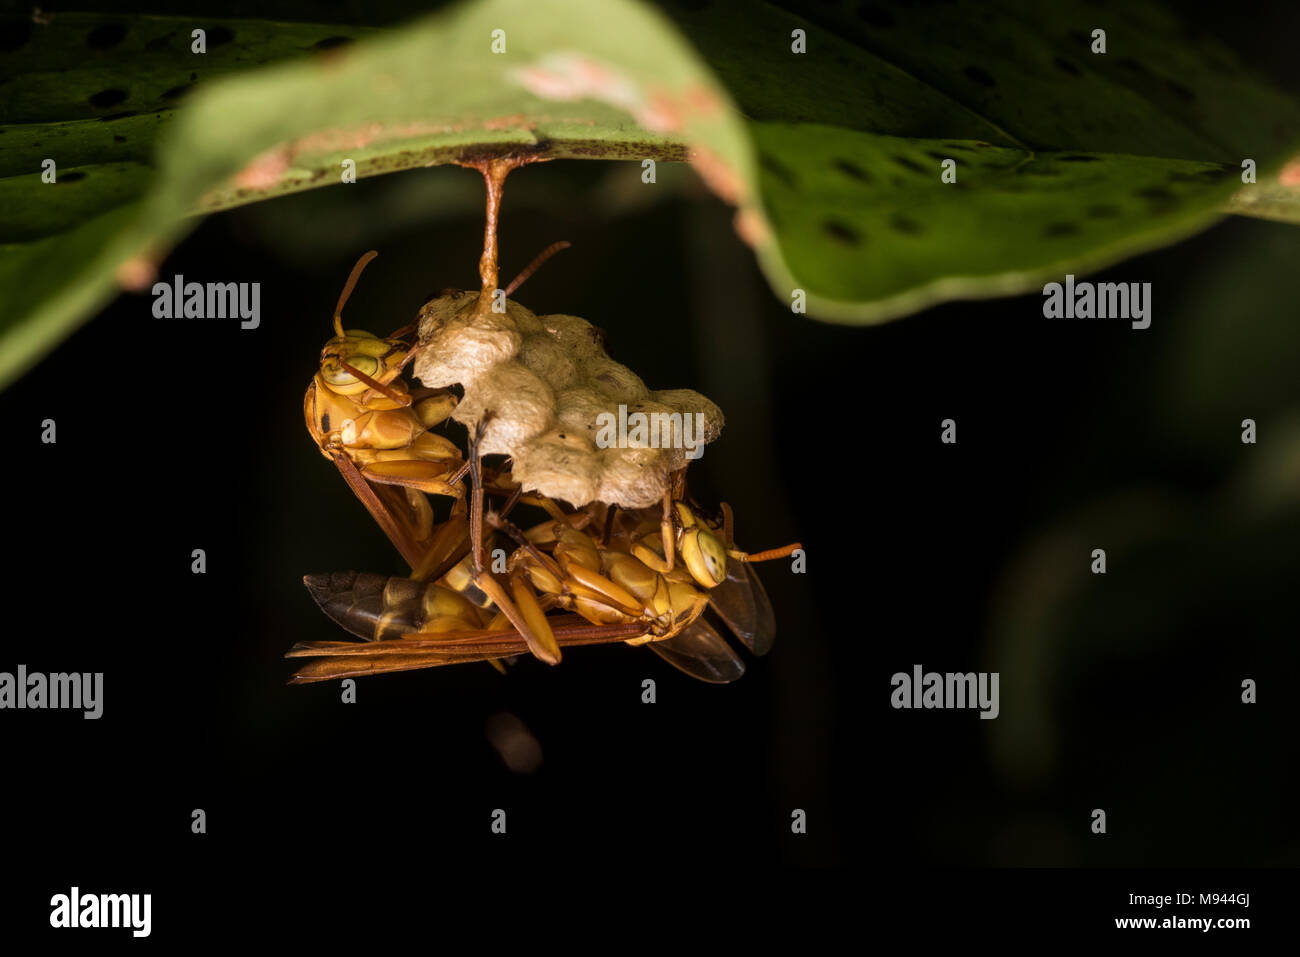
[574, 571]
[666, 532]
[515, 493]
[678, 485]
[421, 513]
[419, 474]
[541, 648]
[584, 583]
[433, 406]
[652, 560]
[537, 645]
[526, 600]
[447, 546]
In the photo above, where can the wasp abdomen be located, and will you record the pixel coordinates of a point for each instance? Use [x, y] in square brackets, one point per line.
[377, 608]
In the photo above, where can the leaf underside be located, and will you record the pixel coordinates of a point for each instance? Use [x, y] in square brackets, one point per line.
[1066, 160]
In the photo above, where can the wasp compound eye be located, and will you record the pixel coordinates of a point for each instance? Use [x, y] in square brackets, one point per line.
[341, 380]
[705, 557]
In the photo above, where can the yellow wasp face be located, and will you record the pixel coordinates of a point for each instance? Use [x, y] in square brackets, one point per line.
[702, 551]
[364, 352]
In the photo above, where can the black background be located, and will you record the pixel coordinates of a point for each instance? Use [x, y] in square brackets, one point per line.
[183, 434]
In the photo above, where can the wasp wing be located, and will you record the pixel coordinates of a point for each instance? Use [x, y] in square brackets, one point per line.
[741, 601]
[353, 666]
[389, 508]
[699, 651]
[342, 659]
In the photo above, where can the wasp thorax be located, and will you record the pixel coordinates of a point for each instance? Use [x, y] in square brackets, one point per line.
[545, 385]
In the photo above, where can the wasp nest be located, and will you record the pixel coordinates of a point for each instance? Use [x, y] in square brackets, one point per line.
[554, 400]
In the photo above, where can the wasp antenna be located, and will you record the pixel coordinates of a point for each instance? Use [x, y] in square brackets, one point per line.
[728, 527]
[532, 267]
[373, 384]
[766, 556]
[347, 290]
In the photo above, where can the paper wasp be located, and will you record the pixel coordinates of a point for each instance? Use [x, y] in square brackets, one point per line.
[605, 565]
[364, 418]
[375, 429]
[647, 577]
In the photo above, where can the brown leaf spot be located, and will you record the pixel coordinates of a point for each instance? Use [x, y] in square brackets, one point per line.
[514, 121]
[717, 175]
[136, 274]
[751, 227]
[265, 170]
[663, 114]
[703, 100]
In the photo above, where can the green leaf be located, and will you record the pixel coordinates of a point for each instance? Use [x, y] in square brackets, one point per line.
[864, 224]
[1275, 196]
[94, 93]
[432, 93]
[1066, 160]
